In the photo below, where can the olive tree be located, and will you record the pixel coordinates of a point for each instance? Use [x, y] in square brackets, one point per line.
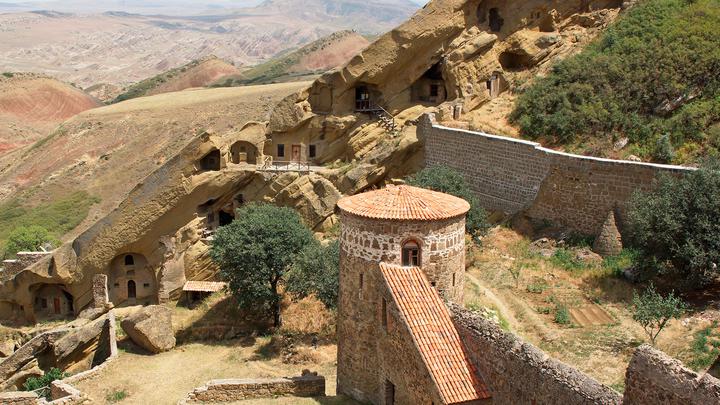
[653, 311]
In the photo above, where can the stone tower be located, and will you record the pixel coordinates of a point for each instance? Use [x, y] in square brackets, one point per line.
[397, 238]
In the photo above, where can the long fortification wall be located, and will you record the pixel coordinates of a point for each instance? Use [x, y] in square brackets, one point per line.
[519, 373]
[512, 176]
[655, 378]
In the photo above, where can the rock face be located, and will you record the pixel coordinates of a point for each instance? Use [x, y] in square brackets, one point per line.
[609, 241]
[151, 328]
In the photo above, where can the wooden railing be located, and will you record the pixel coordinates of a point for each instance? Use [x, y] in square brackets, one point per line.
[270, 165]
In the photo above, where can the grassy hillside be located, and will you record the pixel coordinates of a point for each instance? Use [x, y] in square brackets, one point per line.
[58, 217]
[653, 77]
[197, 73]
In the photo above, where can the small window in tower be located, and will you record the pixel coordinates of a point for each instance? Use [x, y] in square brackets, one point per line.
[411, 254]
[129, 260]
[313, 151]
[281, 150]
[453, 280]
[384, 315]
[116, 285]
[362, 285]
[146, 285]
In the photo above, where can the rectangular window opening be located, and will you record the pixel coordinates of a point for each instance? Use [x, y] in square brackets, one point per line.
[281, 150]
[313, 151]
[384, 315]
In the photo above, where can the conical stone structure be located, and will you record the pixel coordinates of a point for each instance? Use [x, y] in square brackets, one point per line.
[609, 240]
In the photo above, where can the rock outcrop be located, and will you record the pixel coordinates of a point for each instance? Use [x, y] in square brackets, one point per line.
[151, 328]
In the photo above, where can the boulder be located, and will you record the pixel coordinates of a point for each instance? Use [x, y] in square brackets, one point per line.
[7, 348]
[151, 328]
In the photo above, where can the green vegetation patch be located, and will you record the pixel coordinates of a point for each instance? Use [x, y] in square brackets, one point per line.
[57, 217]
[146, 86]
[653, 76]
[705, 348]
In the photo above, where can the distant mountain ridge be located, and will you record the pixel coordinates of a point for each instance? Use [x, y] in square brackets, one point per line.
[121, 47]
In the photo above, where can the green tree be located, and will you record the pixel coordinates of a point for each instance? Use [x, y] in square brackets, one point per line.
[450, 181]
[256, 250]
[675, 227]
[653, 311]
[36, 383]
[28, 238]
[315, 272]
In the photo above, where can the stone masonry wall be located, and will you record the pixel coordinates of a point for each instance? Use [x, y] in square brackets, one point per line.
[307, 385]
[519, 373]
[513, 175]
[442, 247]
[655, 378]
[23, 261]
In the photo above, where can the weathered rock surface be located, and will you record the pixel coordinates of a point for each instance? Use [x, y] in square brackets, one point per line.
[151, 328]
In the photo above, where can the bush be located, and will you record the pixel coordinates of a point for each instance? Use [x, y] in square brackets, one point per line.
[562, 315]
[116, 396]
[448, 180]
[9, 75]
[315, 272]
[565, 259]
[36, 383]
[675, 227]
[28, 238]
[655, 71]
[705, 347]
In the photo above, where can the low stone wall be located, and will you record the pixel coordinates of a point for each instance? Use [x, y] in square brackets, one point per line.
[307, 385]
[655, 378]
[23, 260]
[512, 175]
[519, 373]
[18, 398]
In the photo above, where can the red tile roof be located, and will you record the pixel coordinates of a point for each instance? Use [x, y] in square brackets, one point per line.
[404, 203]
[435, 335]
[204, 286]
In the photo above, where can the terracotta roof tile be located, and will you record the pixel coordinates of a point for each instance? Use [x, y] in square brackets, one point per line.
[404, 203]
[204, 286]
[436, 337]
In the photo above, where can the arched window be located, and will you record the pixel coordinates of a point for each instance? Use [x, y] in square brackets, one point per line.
[129, 260]
[411, 254]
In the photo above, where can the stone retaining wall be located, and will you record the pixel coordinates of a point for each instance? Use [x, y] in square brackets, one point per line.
[23, 261]
[519, 373]
[512, 175]
[655, 378]
[307, 385]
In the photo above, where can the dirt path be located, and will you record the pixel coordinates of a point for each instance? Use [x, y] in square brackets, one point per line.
[504, 301]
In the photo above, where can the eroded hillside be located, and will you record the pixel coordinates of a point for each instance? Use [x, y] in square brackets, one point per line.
[32, 105]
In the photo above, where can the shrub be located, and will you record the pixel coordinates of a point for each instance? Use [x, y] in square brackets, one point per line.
[448, 180]
[116, 396]
[565, 259]
[537, 287]
[675, 227]
[315, 272]
[9, 75]
[562, 315]
[28, 238]
[36, 383]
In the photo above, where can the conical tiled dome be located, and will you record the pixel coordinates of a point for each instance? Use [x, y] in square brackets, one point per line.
[404, 203]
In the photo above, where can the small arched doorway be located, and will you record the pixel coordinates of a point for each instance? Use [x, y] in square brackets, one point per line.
[132, 289]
